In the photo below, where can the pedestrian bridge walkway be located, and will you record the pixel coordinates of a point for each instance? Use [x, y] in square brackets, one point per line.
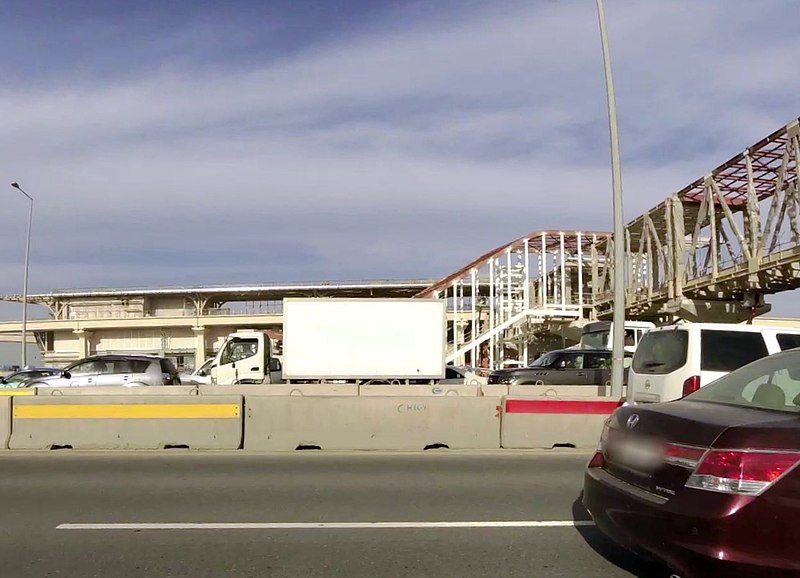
[710, 251]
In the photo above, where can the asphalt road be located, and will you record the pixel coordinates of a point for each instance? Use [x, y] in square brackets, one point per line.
[43, 491]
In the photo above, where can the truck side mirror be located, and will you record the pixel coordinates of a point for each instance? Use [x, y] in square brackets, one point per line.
[274, 364]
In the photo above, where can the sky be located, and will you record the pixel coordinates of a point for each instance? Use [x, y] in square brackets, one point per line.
[171, 143]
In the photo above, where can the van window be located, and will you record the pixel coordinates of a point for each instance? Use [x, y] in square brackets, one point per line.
[596, 361]
[661, 352]
[788, 340]
[570, 361]
[546, 360]
[596, 339]
[729, 350]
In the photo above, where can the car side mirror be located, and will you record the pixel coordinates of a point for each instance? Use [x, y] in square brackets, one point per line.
[274, 364]
[202, 373]
[66, 374]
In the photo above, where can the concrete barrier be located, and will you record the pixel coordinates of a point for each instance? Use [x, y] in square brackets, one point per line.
[126, 422]
[545, 423]
[419, 390]
[118, 390]
[371, 423]
[559, 390]
[283, 389]
[494, 390]
[5, 421]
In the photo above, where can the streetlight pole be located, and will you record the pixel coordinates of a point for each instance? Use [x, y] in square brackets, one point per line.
[618, 320]
[25, 282]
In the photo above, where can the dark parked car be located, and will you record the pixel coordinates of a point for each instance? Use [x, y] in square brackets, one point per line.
[561, 367]
[708, 484]
[18, 378]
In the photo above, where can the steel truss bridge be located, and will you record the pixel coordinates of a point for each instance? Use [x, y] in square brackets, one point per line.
[710, 251]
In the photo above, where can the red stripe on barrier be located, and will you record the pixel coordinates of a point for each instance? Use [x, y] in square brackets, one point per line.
[557, 406]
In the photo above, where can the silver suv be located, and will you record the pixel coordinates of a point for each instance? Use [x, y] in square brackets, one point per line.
[109, 370]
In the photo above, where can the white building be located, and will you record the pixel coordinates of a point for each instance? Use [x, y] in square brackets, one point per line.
[186, 323]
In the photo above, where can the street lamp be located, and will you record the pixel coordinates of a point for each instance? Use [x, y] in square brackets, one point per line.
[25, 282]
[618, 320]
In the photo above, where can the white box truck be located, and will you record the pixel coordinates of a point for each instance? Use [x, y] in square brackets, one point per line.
[343, 341]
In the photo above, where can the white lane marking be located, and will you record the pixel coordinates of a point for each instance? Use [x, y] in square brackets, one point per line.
[326, 525]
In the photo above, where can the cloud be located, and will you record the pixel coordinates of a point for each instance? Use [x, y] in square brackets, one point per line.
[400, 144]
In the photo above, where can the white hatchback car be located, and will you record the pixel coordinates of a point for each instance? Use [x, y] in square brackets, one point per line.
[111, 370]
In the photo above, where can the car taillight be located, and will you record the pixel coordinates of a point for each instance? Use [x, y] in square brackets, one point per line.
[741, 472]
[684, 456]
[691, 385]
[599, 460]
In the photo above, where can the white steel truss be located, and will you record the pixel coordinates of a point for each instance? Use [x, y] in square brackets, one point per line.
[732, 236]
[711, 252]
[499, 300]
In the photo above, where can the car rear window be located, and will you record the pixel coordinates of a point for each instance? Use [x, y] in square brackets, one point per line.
[729, 350]
[661, 352]
[772, 383]
[788, 340]
[167, 366]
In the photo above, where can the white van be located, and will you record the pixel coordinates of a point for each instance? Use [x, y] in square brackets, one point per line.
[677, 360]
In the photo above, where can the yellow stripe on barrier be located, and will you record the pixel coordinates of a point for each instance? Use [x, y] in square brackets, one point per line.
[121, 411]
[16, 392]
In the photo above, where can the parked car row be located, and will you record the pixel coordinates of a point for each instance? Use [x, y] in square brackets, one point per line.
[19, 378]
[669, 362]
[100, 370]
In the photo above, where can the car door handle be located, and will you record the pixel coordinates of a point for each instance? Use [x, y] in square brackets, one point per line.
[254, 369]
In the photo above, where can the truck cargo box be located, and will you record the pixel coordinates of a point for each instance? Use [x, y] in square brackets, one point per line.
[363, 338]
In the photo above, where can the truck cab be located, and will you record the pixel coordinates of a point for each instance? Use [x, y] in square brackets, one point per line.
[245, 358]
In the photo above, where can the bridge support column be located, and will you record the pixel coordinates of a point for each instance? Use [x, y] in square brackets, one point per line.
[83, 342]
[199, 346]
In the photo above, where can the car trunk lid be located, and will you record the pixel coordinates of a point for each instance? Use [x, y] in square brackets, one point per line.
[656, 447]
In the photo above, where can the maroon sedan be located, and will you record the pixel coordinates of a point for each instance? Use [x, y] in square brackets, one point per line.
[708, 484]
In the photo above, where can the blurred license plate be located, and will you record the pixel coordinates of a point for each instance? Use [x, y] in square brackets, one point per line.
[640, 455]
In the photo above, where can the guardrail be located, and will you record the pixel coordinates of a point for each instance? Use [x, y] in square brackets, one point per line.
[290, 417]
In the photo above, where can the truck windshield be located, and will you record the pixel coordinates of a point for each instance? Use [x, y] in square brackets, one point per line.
[237, 349]
[596, 339]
